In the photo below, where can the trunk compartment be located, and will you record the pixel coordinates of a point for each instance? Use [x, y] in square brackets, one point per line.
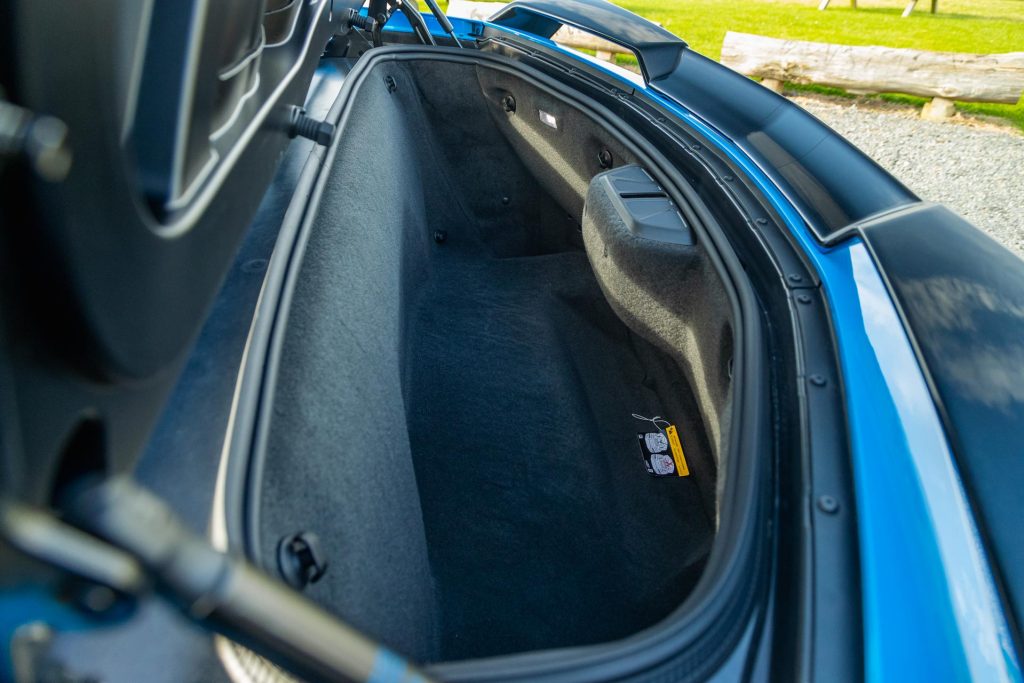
[467, 338]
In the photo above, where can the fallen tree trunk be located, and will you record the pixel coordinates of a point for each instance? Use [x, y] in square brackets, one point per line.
[950, 75]
[479, 11]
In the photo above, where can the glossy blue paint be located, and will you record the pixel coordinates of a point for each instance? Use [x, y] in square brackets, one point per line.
[464, 28]
[931, 610]
[931, 604]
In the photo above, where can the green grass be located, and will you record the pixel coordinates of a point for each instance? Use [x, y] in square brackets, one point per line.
[982, 26]
[963, 26]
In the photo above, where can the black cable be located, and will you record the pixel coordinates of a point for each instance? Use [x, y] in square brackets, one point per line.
[419, 26]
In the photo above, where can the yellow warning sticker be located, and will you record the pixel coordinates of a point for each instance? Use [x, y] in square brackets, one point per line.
[677, 451]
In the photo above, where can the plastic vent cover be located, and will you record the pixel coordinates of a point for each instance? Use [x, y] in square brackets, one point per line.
[644, 207]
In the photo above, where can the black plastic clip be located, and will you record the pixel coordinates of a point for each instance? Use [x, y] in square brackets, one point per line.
[307, 127]
[300, 559]
[357, 20]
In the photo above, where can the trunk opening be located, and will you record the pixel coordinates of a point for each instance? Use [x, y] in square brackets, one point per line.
[471, 330]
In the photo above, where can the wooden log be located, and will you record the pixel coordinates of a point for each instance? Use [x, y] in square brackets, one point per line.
[567, 35]
[581, 40]
[479, 11]
[951, 75]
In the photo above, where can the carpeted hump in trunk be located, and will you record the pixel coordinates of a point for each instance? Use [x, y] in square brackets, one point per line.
[543, 527]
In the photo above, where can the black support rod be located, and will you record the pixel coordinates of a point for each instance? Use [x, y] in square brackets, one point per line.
[442, 19]
[227, 595]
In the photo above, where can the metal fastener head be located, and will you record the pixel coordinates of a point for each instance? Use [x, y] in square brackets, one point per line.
[300, 559]
[828, 505]
[818, 380]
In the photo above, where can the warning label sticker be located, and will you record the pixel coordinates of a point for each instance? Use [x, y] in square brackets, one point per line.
[663, 453]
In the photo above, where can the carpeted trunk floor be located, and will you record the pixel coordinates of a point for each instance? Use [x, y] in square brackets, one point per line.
[543, 527]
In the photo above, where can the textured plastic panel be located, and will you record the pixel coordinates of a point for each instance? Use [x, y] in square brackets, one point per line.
[644, 207]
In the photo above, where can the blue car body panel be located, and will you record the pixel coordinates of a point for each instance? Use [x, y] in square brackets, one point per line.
[930, 603]
[920, 551]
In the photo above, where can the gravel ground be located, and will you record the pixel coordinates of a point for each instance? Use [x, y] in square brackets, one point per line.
[975, 168]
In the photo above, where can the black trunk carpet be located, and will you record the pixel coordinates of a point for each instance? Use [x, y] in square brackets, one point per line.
[543, 527]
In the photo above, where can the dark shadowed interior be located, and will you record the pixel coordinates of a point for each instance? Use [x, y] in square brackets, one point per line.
[469, 336]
